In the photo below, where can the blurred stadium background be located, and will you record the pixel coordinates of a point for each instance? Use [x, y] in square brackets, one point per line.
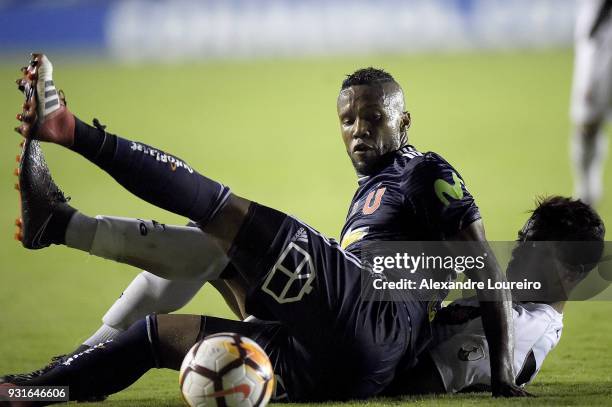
[245, 92]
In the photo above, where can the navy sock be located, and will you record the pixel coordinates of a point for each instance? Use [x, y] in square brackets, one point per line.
[108, 367]
[151, 174]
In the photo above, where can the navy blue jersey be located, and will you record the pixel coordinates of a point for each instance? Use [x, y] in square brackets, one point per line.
[416, 196]
[314, 288]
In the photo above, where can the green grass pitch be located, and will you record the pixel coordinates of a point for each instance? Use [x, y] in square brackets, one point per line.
[268, 129]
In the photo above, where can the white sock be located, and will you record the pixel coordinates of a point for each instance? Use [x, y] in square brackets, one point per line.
[182, 258]
[103, 334]
[170, 252]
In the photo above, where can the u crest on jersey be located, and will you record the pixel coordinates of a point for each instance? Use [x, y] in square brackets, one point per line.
[372, 201]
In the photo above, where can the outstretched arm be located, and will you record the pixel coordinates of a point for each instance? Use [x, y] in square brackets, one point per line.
[496, 310]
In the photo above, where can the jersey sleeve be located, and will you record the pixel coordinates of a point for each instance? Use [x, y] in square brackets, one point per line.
[439, 198]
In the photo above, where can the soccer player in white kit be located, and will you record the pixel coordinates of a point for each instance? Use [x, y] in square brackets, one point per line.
[569, 234]
[591, 96]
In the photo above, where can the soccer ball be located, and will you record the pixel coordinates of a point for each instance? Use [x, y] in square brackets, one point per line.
[226, 369]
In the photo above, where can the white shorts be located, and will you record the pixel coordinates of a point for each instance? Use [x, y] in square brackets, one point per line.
[592, 82]
[463, 361]
[461, 351]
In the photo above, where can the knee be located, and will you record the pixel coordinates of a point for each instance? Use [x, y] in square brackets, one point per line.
[168, 295]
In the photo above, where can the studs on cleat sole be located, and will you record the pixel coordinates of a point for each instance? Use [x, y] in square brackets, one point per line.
[17, 187]
[16, 172]
[19, 233]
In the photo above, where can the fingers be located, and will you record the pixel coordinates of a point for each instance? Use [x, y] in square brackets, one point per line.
[23, 129]
[29, 74]
[26, 84]
[27, 118]
[512, 391]
[21, 84]
[28, 115]
[35, 58]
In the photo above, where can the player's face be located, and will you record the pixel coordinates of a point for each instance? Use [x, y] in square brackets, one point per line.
[536, 260]
[372, 122]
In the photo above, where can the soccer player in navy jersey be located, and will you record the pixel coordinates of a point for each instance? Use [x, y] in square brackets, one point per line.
[350, 346]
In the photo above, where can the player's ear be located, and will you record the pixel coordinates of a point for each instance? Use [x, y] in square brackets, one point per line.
[575, 273]
[406, 121]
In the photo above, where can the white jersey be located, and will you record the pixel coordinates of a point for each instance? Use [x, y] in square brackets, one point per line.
[461, 352]
[592, 82]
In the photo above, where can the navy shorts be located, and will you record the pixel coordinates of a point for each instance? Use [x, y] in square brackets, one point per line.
[334, 344]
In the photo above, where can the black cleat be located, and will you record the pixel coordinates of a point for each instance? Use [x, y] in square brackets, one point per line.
[44, 210]
[22, 379]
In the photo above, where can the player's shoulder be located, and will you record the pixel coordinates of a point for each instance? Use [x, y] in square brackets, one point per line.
[415, 160]
[423, 167]
[433, 161]
[538, 310]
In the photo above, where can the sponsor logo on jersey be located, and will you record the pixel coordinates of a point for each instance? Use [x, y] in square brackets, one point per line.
[300, 236]
[445, 190]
